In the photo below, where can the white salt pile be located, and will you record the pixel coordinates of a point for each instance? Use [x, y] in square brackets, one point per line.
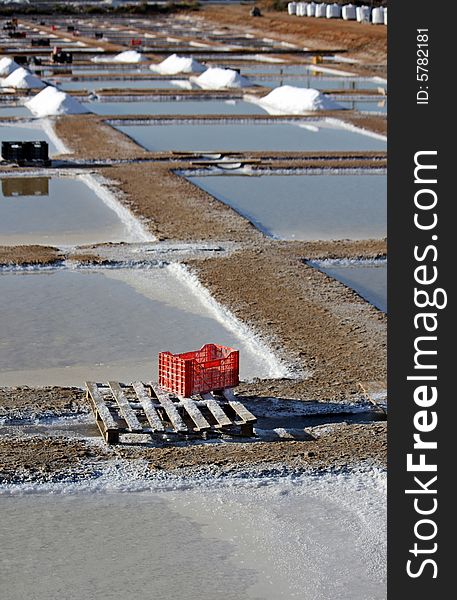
[7, 66]
[216, 78]
[291, 100]
[52, 101]
[22, 79]
[175, 64]
[129, 56]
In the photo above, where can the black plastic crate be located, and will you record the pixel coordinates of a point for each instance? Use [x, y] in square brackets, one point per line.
[62, 57]
[20, 60]
[13, 151]
[26, 153]
[41, 42]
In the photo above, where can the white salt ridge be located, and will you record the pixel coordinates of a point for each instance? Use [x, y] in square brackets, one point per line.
[216, 78]
[129, 56]
[175, 64]
[291, 100]
[136, 229]
[277, 369]
[7, 66]
[22, 79]
[52, 101]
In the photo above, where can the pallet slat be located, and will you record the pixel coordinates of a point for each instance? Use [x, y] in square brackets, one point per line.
[195, 414]
[239, 408]
[112, 401]
[148, 407]
[244, 414]
[124, 407]
[216, 410]
[103, 418]
[170, 409]
[100, 406]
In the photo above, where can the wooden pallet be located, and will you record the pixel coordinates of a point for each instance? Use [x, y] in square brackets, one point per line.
[148, 409]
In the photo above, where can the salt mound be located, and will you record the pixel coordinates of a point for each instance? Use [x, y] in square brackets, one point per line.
[175, 64]
[22, 79]
[52, 101]
[216, 78]
[7, 66]
[129, 56]
[291, 100]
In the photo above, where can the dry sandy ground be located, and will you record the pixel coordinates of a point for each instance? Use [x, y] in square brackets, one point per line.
[40, 459]
[364, 42]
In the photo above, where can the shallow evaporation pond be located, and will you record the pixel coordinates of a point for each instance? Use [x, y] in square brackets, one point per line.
[306, 207]
[376, 106]
[250, 136]
[63, 327]
[177, 107]
[268, 539]
[59, 211]
[14, 111]
[138, 84]
[275, 68]
[24, 132]
[368, 279]
[102, 70]
[319, 83]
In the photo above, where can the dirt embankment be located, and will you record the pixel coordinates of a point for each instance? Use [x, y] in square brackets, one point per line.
[42, 459]
[364, 42]
[176, 209]
[88, 137]
[30, 403]
[28, 255]
[313, 321]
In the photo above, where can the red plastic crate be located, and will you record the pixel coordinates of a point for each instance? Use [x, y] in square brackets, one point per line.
[213, 367]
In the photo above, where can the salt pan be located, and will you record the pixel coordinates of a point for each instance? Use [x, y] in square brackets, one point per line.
[291, 100]
[52, 101]
[7, 66]
[216, 78]
[22, 79]
[175, 64]
[129, 56]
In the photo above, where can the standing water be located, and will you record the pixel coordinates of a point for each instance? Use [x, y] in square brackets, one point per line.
[62, 327]
[306, 207]
[58, 211]
[312, 537]
[255, 136]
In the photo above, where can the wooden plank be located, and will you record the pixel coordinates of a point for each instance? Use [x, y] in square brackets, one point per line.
[244, 414]
[100, 406]
[149, 409]
[170, 409]
[124, 407]
[216, 410]
[195, 414]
